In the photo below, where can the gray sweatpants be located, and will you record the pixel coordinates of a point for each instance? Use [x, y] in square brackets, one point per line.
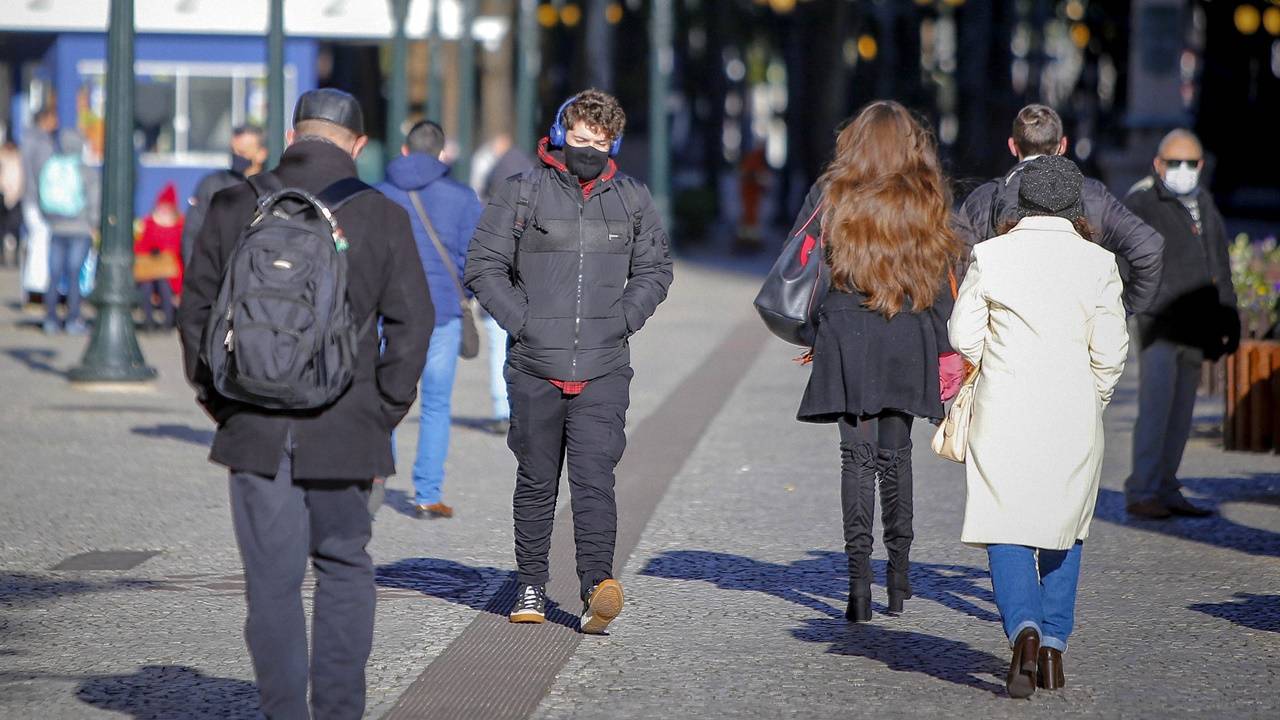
[1168, 375]
[280, 524]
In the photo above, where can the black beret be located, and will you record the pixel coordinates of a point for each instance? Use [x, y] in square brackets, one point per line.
[335, 106]
[1050, 185]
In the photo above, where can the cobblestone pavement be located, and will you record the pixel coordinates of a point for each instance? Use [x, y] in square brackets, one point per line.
[735, 592]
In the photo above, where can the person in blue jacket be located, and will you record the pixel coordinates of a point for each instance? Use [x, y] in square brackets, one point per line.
[450, 210]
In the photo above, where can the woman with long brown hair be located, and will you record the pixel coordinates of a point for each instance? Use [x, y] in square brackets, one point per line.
[885, 215]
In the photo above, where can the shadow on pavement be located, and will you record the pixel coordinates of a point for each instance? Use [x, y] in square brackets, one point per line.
[400, 501]
[905, 651]
[1257, 612]
[23, 589]
[170, 691]
[824, 577]
[1215, 530]
[185, 433]
[486, 589]
[36, 359]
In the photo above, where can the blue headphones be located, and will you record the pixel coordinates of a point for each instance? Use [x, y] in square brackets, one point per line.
[558, 130]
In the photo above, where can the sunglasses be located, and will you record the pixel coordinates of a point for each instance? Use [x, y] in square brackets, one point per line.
[1173, 163]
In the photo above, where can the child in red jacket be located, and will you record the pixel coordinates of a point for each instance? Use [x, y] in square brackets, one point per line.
[157, 264]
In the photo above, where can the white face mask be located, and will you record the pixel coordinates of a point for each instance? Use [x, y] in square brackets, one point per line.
[1182, 180]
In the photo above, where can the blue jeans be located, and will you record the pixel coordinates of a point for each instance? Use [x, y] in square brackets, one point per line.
[1042, 597]
[497, 360]
[66, 255]
[435, 397]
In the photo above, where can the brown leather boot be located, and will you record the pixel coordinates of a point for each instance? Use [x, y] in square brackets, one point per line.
[1021, 680]
[1049, 674]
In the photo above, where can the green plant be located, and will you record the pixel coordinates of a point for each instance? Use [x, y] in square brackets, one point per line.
[1255, 273]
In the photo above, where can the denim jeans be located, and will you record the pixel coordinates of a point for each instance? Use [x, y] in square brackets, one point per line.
[164, 291]
[1168, 375]
[435, 399]
[1036, 594]
[66, 255]
[497, 360]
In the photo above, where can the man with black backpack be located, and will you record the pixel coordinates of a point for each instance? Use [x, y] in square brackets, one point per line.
[571, 259]
[290, 274]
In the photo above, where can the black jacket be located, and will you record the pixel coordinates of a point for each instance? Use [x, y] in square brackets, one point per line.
[350, 439]
[1196, 302]
[210, 185]
[577, 284]
[1115, 228]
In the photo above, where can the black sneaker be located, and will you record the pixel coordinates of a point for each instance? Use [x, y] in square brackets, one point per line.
[531, 606]
[604, 603]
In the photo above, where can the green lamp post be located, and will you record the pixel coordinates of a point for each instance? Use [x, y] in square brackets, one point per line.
[113, 355]
[275, 82]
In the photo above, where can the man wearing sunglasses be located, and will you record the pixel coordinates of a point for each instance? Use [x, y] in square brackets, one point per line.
[1192, 318]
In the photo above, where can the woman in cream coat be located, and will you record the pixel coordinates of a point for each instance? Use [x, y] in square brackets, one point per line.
[1040, 313]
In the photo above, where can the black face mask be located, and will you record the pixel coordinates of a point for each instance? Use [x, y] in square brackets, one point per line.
[585, 163]
[239, 163]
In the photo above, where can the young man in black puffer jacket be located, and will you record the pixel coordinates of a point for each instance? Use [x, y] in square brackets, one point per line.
[571, 259]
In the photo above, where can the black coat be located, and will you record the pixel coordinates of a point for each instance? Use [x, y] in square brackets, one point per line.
[578, 285]
[350, 439]
[865, 363]
[1137, 244]
[210, 185]
[1196, 302]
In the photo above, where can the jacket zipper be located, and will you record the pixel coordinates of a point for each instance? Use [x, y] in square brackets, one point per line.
[577, 315]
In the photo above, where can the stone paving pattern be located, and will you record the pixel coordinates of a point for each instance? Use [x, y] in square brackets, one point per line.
[735, 592]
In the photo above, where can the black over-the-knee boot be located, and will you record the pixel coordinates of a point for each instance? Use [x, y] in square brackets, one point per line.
[858, 498]
[896, 512]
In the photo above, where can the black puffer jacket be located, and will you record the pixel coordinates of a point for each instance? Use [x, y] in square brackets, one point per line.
[1114, 227]
[1196, 303]
[577, 284]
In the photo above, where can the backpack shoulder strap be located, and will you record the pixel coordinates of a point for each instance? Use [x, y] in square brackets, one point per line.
[342, 192]
[628, 193]
[530, 183]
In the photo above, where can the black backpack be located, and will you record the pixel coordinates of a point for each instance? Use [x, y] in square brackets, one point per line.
[281, 334]
[527, 202]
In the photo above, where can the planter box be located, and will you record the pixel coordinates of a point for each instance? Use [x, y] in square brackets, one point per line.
[1252, 421]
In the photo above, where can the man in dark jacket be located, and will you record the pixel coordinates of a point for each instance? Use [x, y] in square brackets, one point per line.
[571, 259]
[989, 210]
[248, 156]
[1193, 317]
[300, 480]
[452, 210]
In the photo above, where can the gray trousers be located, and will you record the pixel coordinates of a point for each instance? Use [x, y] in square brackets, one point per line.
[280, 523]
[1168, 375]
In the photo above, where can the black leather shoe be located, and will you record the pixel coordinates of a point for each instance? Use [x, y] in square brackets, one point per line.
[1021, 679]
[1179, 505]
[1049, 674]
[1148, 510]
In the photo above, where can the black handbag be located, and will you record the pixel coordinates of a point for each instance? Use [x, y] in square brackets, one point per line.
[792, 293]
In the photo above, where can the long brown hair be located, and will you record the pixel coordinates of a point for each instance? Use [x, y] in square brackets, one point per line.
[888, 207]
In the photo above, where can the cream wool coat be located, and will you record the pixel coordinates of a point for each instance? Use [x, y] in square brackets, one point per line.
[1040, 312]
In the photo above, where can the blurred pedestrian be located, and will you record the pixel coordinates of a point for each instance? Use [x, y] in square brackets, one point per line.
[1194, 317]
[593, 265]
[157, 266]
[248, 155]
[443, 214]
[501, 160]
[753, 183]
[300, 482]
[11, 191]
[884, 218]
[38, 145]
[1040, 313]
[1037, 131]
[69, 198]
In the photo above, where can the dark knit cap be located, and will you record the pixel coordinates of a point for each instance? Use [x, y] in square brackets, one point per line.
[1050, 185]
[330, 105]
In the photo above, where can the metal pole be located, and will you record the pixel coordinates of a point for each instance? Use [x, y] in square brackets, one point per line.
[113, 354]
[435, 79]
[661, 64]
[466, 94]
[528, 65]
[398, 107]
[275, 82]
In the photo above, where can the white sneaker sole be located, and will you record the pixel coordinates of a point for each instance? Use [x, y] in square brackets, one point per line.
[527, 616]
[605, 605]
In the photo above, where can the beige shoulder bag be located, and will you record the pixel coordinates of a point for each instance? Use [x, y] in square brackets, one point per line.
[952, 439]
